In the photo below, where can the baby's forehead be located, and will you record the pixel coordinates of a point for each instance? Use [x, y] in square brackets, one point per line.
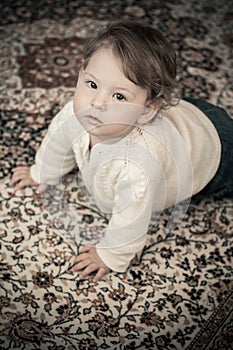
[104, 58]
[106, 48]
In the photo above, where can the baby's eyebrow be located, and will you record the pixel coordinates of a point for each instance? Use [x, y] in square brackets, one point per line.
[91, 75]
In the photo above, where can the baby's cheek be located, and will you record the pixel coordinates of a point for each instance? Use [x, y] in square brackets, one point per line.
[124, 112]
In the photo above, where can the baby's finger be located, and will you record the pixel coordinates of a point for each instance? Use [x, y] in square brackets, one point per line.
[80, 264]
[85, 249]
[12, 181]
[21, 171]
[17, 177]
[20, 174]
[88, 270]
[20, 185]
[100, 274]
[41, 188]
[19, 168]
[23, 183]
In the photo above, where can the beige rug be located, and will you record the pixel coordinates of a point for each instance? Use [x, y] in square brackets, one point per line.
[178, 293]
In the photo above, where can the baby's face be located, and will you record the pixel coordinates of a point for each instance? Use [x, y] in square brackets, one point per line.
[105, 101]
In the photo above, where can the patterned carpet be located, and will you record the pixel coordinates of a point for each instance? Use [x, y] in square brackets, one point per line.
[178, 293]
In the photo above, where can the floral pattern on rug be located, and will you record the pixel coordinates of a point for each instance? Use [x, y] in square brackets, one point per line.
[54, 63]
[176, 294]
[166, 295]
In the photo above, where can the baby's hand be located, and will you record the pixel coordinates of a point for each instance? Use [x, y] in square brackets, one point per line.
[89, 261]
[22, 178]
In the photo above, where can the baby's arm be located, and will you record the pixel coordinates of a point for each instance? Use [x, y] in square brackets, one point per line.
[125, 235]
[22, 178]
[107, 256]
[54, 158]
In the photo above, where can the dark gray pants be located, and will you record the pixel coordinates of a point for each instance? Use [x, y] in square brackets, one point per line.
[222, 183]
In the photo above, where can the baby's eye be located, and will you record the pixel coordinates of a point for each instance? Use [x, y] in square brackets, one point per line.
[91, 84]
[119, 97]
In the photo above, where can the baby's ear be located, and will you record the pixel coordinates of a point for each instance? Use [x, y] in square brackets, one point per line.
[150, 109]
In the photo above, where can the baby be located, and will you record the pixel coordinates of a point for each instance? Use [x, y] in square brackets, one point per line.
[138, 148]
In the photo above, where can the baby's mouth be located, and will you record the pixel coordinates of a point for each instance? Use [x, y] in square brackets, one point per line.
[94, 120]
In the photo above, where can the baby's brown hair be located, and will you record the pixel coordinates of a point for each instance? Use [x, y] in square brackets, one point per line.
[147, 58]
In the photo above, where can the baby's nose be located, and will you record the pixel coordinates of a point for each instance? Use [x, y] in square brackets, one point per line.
[99, 102]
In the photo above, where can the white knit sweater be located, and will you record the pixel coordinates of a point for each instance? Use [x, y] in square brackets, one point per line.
[152, 168]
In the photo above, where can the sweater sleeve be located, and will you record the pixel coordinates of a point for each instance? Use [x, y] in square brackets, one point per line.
[55, 156]
[126, 233]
